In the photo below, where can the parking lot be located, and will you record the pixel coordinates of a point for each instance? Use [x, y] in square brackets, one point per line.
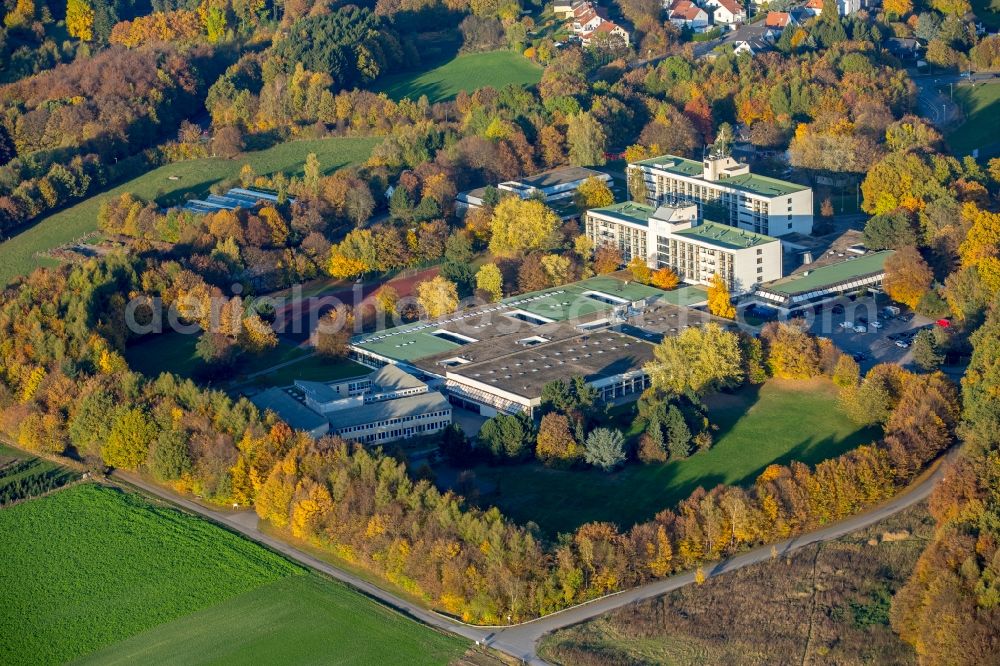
[875, 340]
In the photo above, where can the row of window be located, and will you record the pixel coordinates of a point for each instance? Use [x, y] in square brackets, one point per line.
[389, 422]
[403, 432]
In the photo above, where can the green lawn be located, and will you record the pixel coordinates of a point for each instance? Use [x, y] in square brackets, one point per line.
[90, 565]
[194, 177]
[92, 568]
[296, 620]
[313, 369]
[981, 106]
[776, 423]
[464, 72]
[175, 352]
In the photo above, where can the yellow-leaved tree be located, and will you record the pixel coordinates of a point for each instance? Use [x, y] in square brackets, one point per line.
[490, 280]
[520, 225]
[664, 278]
[80, 19]
[593, 193]
[438, 296]
[719, 302]
[907, 276]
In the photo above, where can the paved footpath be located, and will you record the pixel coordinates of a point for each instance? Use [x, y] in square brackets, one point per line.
[520, 641]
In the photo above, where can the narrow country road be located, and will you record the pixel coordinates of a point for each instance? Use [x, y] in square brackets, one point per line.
[520, 641]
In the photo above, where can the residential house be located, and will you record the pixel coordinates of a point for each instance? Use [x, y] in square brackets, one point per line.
[844, 7]
[585, 18]
[609, 28]
[727, 12]
[686, 14]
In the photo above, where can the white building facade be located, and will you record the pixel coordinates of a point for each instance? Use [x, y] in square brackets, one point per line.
[728, 193]
[673, 237]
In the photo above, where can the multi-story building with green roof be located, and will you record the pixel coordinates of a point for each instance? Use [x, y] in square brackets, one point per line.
[729, 193]
[673, 237]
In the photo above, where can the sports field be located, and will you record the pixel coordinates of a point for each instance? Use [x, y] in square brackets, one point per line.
[464, 72]
[981, 106]
[193, 177]
[775, 423]
[89, 567]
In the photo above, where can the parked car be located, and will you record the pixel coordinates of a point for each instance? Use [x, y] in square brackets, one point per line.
[876, 325]
[860, 328]
[860, 356]
[891, 311]
[908, 316]
[902, 343]
[846, 325]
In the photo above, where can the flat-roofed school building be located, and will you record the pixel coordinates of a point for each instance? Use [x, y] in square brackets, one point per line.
[496, 358]
[673, 237]
[728, 193]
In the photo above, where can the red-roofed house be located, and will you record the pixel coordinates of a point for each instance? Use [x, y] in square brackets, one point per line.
[586, 20]
[686, 13]
[778, 20]
[727, 12]
[609, 28]
[814, 7]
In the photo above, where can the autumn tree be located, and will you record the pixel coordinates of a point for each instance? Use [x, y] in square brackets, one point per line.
[664, 278]
[437, 296]
[719, 302]
[907, 276]
[80, 19]
[593, 193]
[586, 140]
[333, 333]
[700, 360]
[489, 280]
[792, 353]
[640, 271]
[555, 445]
[607, 259]
[386, 299]
[128, 443]
[520, 225]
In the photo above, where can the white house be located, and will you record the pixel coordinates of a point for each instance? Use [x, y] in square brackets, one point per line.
[585, 18]
[844, 7]
[609, 28]
[727, 12]
[684, 13]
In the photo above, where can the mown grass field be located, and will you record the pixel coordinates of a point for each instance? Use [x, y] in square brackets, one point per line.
[981, 106]
[825, 604]
[194, 177]
[175, 352]
[778, 422]
[296, 620]
[89, 567]
[464, 72]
